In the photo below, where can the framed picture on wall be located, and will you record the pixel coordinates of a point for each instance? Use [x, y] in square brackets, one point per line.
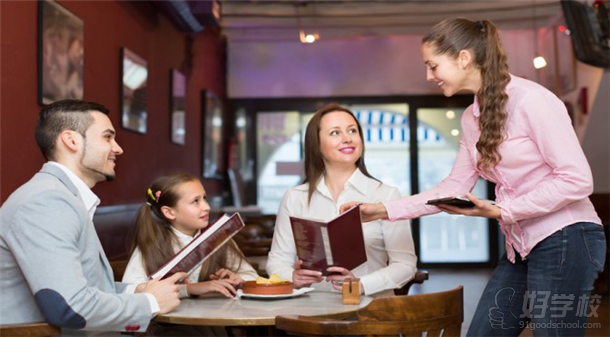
[177, 107]
[212, 135]
[134, 75]
[60, 53]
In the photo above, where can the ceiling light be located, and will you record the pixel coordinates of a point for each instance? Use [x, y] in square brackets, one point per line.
[539, 62]
[308, 38]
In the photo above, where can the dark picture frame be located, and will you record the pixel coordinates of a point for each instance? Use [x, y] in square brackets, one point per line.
[134, 77]
[212, 135]
[60, 53]
[177, 107]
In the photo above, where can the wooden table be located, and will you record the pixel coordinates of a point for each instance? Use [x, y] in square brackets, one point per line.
[222, 311]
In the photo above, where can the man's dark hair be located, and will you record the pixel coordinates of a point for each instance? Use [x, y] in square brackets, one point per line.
[62, 115]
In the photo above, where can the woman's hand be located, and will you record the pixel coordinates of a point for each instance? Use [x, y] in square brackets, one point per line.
[481, 208]
[220, 286]
[339, 274]
[303, 277]
[369, 212]
[226, 274]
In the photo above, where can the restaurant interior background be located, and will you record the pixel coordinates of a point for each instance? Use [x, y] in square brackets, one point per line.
[268, 83]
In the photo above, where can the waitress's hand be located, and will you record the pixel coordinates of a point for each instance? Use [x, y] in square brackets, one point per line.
[304, 277]
[341, 276]
[481, 208]
[369, 212]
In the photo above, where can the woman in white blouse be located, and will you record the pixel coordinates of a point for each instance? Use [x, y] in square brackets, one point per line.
[335, 174]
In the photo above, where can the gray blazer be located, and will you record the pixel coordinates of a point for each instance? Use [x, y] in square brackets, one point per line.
[52, 265]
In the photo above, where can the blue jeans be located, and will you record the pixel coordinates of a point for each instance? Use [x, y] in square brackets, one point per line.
[550, 291]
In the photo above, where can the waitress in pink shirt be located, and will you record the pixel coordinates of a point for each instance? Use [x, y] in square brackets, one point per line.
[518, 135]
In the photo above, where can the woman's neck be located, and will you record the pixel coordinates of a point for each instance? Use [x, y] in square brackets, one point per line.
[335, 178]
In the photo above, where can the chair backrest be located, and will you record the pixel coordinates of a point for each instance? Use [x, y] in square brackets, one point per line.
[419, 278]
[434, 314]
[118, 269]
[39, 329]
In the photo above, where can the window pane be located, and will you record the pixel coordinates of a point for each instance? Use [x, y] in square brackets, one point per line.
[385, 129]
[444, 237]
[278, 147]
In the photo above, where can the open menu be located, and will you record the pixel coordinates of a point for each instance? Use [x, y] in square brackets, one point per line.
[203, 246]
[338, 242]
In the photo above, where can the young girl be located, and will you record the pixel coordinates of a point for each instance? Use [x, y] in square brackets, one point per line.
[176, 211]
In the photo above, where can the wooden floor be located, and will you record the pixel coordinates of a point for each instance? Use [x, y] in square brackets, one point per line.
[474, 282]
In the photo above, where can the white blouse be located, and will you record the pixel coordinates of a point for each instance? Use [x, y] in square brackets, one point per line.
[391, 260]
[135, 272]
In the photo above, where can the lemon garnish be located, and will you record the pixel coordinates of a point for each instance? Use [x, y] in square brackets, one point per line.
[274, 279]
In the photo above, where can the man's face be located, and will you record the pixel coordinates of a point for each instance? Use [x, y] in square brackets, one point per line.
[100, 149]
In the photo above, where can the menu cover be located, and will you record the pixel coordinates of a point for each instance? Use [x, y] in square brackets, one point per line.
[461, 202]
[338, 242]
[203, 246]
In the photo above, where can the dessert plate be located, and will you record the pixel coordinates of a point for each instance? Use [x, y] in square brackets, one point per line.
[295, 293]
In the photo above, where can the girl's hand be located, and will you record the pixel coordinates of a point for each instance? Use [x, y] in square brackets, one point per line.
[226, 274]
[481, 208]
[303, 277]
[219, 286]
[343, 274]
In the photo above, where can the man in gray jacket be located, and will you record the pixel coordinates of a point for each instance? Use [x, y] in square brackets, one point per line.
[52, 265]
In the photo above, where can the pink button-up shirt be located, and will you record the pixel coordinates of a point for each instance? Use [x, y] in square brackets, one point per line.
[542, 182]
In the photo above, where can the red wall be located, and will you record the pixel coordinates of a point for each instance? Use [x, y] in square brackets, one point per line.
[110, 25]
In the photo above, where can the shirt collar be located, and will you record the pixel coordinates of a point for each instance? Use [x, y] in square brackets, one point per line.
[358, 181]
[90, 200]
[183, 237]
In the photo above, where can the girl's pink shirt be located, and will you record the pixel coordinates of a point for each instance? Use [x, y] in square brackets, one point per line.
[543, 181]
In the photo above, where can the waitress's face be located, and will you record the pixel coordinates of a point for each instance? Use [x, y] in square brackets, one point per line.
[446, 72]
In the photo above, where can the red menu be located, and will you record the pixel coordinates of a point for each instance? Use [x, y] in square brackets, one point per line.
[338, 242]
[203, 246]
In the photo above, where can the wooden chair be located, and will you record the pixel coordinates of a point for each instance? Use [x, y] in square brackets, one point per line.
[38, 329]
[433, 314]
[419, 278]
[118, 269]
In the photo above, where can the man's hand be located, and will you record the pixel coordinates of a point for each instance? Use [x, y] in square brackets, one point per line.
[165, 291]
[369, 212]
[303, 277]
[481, 208]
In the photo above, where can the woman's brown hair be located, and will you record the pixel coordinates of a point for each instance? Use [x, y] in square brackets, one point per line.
[481, 38]
[154, 236]
[314, 164]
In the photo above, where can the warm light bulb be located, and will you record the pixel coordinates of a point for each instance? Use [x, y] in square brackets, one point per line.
[307, 38]
[539, 62]
[450, 114]
[310, 38]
